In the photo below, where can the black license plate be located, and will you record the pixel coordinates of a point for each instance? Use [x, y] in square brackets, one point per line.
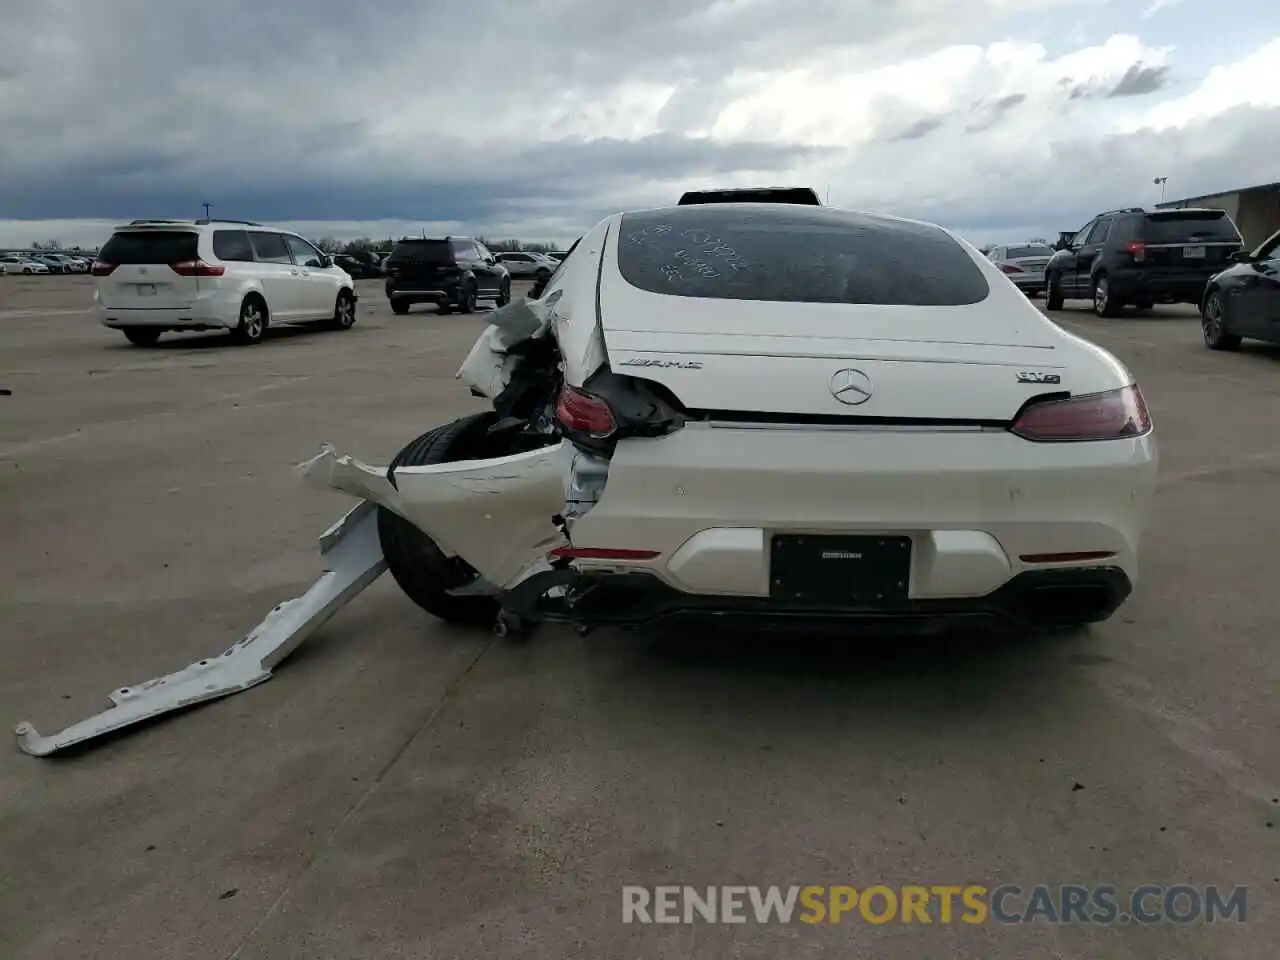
[858, 571]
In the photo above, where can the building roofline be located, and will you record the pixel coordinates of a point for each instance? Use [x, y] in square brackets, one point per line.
[1275, 185]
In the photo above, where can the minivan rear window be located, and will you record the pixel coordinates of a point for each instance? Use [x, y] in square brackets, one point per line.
[1176, 226]
[423, 251]
[130, 247]
[795, 254]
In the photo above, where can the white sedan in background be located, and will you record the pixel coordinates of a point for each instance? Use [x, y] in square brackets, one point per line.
[21, 265]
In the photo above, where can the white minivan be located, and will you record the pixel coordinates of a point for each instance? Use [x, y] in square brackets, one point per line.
[158, 275]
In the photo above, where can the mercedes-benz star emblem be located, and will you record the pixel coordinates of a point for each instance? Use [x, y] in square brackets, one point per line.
[851, 386]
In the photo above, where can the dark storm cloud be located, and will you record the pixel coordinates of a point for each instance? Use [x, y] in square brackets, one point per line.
[1139, 80]
[990, 112]
[920, 128]
[156, 184]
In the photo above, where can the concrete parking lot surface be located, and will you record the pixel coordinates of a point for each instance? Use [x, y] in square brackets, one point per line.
[404, 790]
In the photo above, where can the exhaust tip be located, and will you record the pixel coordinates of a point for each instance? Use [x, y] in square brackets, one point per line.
[1061, 603]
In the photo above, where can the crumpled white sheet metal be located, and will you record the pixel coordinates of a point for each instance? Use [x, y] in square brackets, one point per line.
[353, 560]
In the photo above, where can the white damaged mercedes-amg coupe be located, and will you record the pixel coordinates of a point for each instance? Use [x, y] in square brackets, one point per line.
[785, 413]
[779, 412]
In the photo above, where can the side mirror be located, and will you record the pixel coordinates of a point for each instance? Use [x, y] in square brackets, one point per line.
[1241, 256]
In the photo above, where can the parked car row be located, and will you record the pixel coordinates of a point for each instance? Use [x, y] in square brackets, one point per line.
[30, 264]
[1138, 257]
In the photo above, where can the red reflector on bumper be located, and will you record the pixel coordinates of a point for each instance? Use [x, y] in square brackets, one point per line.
[602, 553]
[1066, 557]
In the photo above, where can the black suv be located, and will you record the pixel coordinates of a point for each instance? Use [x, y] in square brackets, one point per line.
[1138, 257]
[453, 273]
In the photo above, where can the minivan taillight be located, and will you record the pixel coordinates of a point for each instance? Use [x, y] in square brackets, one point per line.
[580, 412]
[101, 268]
[1113, 415]
[196, 268]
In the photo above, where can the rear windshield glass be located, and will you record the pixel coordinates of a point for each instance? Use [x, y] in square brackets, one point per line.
[423, 251]
[795, 254]
[1213, 226]
[150, 246]
[1017, 253]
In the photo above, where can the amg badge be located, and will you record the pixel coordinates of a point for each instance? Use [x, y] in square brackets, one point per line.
[1031, 376]
[664, 364]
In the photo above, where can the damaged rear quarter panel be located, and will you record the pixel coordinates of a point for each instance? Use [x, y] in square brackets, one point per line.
[497, 515]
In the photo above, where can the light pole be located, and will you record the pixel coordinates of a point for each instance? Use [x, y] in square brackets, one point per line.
[206, 206]
[1160, 182]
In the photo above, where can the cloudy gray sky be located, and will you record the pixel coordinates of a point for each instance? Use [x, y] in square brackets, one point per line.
[534, 118]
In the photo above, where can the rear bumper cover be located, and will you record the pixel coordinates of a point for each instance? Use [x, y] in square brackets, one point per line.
[1032, 599]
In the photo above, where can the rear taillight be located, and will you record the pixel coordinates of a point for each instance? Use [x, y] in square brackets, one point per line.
[580, 412]
[1113, 415]
[196, 268]
[1138, 250]
[1009, 268]
[101, 268]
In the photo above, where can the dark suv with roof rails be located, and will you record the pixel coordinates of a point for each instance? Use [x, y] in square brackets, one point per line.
[1139, 257]
[453, 273]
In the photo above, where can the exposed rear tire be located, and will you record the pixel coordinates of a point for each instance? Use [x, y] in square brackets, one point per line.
[504, 294]
[420, 568]
[253, 321]
[142, 336]
[400, 307]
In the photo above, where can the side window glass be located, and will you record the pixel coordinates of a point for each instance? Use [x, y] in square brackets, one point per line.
[462, 250]
[304, 254]
[270, 247]
[1270, 249]
[1099, 232]
[232, 246]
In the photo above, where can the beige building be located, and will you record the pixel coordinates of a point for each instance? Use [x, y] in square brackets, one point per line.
[1256, 210]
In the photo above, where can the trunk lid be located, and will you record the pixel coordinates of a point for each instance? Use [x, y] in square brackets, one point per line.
[973, 363]
[142, 278]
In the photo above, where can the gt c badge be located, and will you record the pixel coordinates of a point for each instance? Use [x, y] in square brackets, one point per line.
[664, 364]
[1032, 376]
